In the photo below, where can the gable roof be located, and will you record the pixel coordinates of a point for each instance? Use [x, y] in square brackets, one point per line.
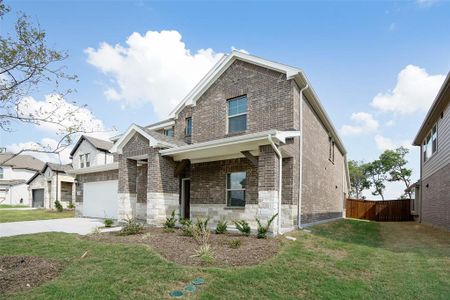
[439, 104]
[21, 161]
[291, 73]
[154, 138]
[96, 143]
[57, 167]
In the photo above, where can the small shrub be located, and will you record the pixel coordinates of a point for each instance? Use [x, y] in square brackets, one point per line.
[200, 231]
[205, 253]
[186, 227]
[262, 230]
[221, 227]
[243, 227]
[58, 206]
[234, 244]
[108, 222]
[170, 221]
[131, 227]
[71, 205]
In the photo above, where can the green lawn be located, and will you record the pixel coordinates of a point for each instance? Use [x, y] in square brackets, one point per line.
[31, 215]
[12, 206]
[343, 260]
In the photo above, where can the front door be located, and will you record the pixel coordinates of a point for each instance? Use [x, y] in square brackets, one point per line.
[185, 198]
[38, 198]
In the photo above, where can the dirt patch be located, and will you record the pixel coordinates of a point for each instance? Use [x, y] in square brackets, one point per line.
[180, 249]
[20, 273]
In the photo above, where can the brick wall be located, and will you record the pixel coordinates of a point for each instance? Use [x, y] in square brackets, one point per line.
[270, 101]
[141, 185]
[208, 181]
[93, 177]
[267, 169]
[161, 174]
[322, 194]
[180, 124]
[127, 175]
[436, 199]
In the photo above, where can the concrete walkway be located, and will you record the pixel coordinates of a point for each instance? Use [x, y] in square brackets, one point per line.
[81, 226]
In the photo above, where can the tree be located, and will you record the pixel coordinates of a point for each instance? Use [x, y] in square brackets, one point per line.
[26, 65]
[358, 179]
[394, 162]
[377, 176]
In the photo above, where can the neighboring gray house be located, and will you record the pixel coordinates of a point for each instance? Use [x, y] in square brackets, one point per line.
[52, 183]
[250, 140]
[15, 170]
[432, 201]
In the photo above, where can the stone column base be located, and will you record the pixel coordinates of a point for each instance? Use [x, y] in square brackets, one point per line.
[127, 206]
[267, 207]
[160, 206]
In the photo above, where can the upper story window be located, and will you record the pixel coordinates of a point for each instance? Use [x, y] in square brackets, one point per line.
[430, 143]
[236, 183]
[168, 131]
[1, 173]
[188, 128]
[331, 147]
[237, 114]
[85, 161]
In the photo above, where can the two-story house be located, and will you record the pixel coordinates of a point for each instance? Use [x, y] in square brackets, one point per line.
[15, 170]
[250, 140]
[432, 201]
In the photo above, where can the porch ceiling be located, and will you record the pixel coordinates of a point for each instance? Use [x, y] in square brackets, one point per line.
[227, 148]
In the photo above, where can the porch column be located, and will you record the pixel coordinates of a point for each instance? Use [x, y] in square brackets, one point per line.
[162, 188]
[268, 170]
[127, 188]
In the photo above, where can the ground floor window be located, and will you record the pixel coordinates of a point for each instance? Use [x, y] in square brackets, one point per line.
[236, 183]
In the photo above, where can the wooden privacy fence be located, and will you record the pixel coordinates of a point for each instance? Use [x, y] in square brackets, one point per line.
[391, 210]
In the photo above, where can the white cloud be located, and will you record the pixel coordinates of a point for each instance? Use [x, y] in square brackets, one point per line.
[384, 143]
[365, 123]
[45, 143]
[426, 3]
[390, 123]
[414, 91]
[154, 68]
[61, 115]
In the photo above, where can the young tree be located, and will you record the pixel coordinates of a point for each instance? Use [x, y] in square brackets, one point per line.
[358, 179]
[377, 176]
[394, 162]
[27, 64]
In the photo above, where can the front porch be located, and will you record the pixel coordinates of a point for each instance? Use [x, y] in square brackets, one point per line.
[223, 181]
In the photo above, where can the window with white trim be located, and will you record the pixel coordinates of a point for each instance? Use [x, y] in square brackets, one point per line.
[236, 184]
[331, 145]
[85, 161]
[188, 129]
[1, 173]
[430, 143]
[237, 114]
[168, 132]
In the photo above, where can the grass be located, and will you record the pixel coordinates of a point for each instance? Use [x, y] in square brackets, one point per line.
[12, 206]
[31, 215]
[346, 259]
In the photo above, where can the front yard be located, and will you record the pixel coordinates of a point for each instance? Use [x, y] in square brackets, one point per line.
[344, 259]
[7, 215]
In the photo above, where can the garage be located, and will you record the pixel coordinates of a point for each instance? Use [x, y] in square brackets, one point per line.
[100, 199]
[38, 198]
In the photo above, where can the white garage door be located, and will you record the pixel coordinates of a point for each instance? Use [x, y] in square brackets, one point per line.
[100, 199]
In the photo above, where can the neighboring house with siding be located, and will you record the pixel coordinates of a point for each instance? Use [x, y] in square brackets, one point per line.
[432, 201]
[15, 170]
[52, 183]
[250, 140]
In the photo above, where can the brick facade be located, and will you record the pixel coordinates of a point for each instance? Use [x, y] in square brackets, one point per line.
[436, 199]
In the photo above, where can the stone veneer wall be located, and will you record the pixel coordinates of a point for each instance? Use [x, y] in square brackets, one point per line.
[436, 199]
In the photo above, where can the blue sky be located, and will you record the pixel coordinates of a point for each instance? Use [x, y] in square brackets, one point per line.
[351, 51]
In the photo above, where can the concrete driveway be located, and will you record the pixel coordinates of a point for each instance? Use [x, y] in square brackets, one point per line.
[81, 226]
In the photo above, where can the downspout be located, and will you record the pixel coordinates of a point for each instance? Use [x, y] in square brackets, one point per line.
[300, 150]
[280, 176]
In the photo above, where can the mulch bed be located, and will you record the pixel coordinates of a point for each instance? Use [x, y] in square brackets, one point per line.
[180, 249]
[20, 273]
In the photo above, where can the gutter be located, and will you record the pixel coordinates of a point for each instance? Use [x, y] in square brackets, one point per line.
[300, 177]
[280, 176]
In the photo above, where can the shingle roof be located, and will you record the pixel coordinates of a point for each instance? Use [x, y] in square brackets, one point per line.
[164, 138]
[21, 161]
[97, 143]
[59, 167]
